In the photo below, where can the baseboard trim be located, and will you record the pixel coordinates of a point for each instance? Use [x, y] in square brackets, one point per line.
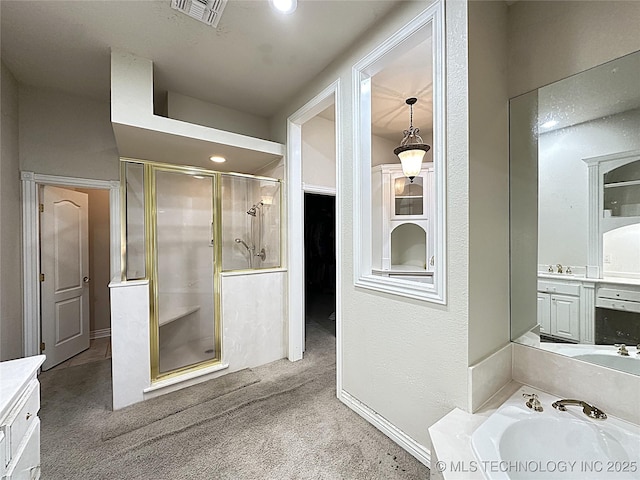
[102, 333]
[420, 452]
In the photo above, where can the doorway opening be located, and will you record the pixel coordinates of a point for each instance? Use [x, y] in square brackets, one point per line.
[320, 261]
[74, 253]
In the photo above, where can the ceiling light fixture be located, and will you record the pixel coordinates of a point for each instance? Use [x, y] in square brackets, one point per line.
[284, 6]
[412, 148]
[217, 159]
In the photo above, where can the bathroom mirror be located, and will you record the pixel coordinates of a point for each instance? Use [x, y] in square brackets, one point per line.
[575, 215]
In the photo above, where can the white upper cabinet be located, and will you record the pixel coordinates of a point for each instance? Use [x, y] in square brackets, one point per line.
[402, 220]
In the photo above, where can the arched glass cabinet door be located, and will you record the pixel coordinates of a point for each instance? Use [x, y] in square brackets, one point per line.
[622, 191]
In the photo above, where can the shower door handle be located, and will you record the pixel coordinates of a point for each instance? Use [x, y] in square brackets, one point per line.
[212, 235]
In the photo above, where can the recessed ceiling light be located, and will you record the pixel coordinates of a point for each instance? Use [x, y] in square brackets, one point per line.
[284, 6]
[549, 124]
[217, 159]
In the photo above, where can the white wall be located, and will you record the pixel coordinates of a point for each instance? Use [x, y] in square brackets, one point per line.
[10, 208]
[398, 354]
[192, 110]
[488, 180]
[100, 309]
[549, 41]
[382, 150]
[66, 135]
[274, 170]
[319, 152]
[563, 182]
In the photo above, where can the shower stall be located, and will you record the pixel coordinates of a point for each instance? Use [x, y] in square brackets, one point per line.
[183, 228]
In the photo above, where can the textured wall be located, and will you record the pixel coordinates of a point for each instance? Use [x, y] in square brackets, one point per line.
[66, 135]
[10, 233]
[397, 353]
[564, 182]
[552, 40]
[488, 179]
[319, 152]
[192, 110]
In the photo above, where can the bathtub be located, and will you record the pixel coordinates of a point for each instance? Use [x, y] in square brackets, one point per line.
[603, 355]
[516, 443]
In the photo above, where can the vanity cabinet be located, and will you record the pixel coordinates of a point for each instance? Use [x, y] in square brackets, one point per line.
[401, 222]
[559, 309]
[19, 422]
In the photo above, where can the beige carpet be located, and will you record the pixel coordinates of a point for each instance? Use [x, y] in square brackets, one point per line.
[278, 421]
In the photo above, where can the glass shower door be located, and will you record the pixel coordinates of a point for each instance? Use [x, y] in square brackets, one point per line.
[184, 293]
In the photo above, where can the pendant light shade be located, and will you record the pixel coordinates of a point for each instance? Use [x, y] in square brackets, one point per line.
[412, 148]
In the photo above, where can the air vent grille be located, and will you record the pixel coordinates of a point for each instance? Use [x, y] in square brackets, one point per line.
[205, 11]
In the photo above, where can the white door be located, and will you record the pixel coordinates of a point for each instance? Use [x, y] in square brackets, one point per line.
[64, 247]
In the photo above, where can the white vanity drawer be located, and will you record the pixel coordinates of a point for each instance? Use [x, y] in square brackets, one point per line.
[556, 287]
[22, 417]
[26, 463]
[621, 305]
[619, 294]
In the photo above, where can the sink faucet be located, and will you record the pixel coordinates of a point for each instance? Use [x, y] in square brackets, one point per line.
[589, 410]
[533, 402]
[622, 349]
[559, 267]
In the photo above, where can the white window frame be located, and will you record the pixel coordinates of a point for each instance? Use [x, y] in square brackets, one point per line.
[410, 34]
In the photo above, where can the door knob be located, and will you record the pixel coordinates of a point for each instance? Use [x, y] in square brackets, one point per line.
[86, 279]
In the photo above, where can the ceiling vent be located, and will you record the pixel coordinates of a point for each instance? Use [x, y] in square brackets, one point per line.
[205, 11]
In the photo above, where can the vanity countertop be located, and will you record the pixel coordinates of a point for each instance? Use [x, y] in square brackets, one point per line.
[581, 278]
[13, 375]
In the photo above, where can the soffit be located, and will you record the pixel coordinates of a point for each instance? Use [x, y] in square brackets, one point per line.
[253, 62]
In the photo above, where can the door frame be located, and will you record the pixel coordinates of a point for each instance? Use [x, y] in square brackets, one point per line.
[31, 245]
[295, 222]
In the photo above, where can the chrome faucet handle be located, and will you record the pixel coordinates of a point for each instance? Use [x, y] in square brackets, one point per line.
[568, 270]
[550, 269]
[533, 402]
[559, 267]
[622, 349]
[589, 410]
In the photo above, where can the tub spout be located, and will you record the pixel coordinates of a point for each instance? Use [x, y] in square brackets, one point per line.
[533, 402]
[589, 410]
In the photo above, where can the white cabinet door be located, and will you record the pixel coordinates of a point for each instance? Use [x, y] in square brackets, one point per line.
[544, 312]
[565, 317]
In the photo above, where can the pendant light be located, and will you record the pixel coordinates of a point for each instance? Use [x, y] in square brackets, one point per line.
[412, 148]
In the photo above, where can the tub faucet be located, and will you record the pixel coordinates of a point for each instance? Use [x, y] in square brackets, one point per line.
[559, 267]
[533, 402]
[622, 349]
[589, 410]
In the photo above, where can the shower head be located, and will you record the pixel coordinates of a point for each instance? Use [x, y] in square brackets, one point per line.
[252, 211]
[239, 240]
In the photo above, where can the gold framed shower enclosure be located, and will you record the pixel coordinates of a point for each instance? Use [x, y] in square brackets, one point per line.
[178, 325]
[172, 236]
